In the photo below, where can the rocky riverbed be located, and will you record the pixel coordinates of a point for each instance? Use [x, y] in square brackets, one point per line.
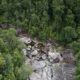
[48, 63]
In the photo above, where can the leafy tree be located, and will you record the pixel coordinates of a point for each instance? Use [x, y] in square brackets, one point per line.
[69, 34]
[46, 19]
[11, 56]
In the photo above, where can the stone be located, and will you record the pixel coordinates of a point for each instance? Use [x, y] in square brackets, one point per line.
[24, 52]
[25, 40]
[27, 61]
[68, 57]
[53, 55]
[35, 76]
[44, 57]
[46, 63]
[29, 47]
[38, 65]
[57, 60]
[34, 53]
[68, 70]
[40, 45]
[37, 57]
[32, 43]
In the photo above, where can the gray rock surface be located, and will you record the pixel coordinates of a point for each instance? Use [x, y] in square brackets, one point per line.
[36, 65]
[49, 65]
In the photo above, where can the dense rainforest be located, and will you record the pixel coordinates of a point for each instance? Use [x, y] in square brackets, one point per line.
[57, 20]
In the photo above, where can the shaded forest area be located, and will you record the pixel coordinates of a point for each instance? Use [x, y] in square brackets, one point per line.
[57, 20]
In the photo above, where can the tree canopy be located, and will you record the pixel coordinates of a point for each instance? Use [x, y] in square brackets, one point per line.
[11, 58]
[57, 20]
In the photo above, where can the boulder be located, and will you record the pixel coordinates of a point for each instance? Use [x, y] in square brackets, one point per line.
[44, 57]
[29, 47]
[68, 56]
[35, 52]
[40, 45]
[35, 76]
[57, 60]
[25, 40]
[24, 52]
[36, 65]
[53, 55]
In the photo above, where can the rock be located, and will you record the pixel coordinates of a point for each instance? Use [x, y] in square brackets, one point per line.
[36, 65]
[53, 55]
[27, 61]
[29, 47]
[57, 72]
[44, 57]
[25, 40]
[32, 43]
[50, 59]
[68, 56]
[24, 52]
[37, 57]
[68, 70]
[40, 45]
[46, 63]
[34, 53]
[46, 73]
[57, 60]
[35, 76]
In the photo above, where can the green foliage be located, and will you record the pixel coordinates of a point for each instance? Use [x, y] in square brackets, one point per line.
[46, 19]
[75, 45]
[2, 61]
[11, 56]
[33, 31]
[69, 34]
[23, 73]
